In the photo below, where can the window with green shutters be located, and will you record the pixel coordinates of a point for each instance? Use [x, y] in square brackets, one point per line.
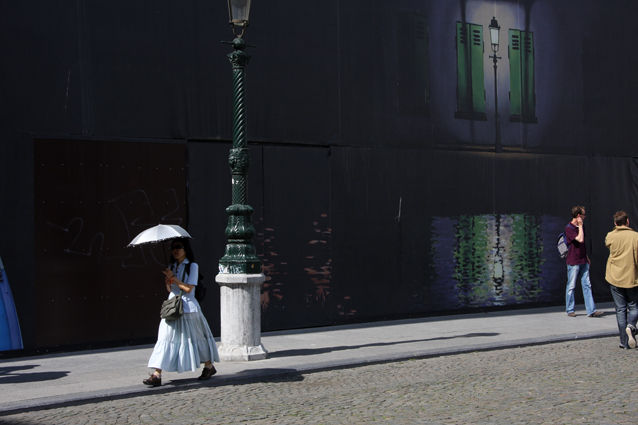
[470, 87]
[522, 90]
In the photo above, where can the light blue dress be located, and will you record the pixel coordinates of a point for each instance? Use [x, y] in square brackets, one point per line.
[183, 344]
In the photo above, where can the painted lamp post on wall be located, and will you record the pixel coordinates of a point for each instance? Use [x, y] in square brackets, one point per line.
[494, 34]
[240, 275]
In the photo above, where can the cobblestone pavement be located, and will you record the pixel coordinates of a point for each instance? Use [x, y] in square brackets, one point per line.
[578, 382]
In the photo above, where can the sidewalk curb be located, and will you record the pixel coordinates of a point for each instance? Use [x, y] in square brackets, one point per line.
[270, 373]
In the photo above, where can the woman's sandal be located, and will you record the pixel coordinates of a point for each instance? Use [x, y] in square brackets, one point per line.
[153, 380]
[207, 373]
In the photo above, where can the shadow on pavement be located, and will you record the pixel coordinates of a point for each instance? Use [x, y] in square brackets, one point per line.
[270, 375]
[32, 377]
[311, 351]
[8, 375]
[604, 313]
[248, 376]
[6, 370]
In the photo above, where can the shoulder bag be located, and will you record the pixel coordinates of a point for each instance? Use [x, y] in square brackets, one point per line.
[172, 308]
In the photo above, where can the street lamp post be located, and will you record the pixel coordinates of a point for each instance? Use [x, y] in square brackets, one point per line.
[240, 276]
[494, 35]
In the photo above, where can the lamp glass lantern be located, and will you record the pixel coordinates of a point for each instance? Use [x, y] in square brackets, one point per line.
[494, 34]
[238, 12]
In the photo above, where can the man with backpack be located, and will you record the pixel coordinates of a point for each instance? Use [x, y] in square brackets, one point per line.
[578, 264]
[622, 275]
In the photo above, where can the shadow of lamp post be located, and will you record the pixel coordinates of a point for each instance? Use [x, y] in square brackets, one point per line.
[494, 34]
[240, 275]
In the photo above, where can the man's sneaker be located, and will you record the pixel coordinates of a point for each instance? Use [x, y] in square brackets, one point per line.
[631, 336]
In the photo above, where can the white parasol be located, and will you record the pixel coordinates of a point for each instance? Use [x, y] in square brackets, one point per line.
[159, 233]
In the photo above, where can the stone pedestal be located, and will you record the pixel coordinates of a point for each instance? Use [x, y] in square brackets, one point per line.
[240, 314]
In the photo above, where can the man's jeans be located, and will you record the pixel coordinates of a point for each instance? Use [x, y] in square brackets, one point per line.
[626, 301]
[579, 271]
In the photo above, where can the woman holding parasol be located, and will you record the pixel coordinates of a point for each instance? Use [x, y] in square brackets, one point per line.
[186, 342]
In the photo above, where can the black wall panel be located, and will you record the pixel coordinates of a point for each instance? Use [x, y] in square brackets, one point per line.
[295, 238]
[372, 197]
[91, 200]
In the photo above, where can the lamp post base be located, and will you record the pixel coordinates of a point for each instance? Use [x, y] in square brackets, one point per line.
[240, 317]
[241, 353]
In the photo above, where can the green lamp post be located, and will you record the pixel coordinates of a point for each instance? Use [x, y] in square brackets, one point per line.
[240, 276]
[239, 255]
[494, 38]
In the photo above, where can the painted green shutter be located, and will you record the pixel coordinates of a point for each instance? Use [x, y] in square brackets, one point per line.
[463, 73]
[413, 74]
[515, 72]
[469, 71]
[527, 65]
[522, 89]
[422, 59]
[478, 81]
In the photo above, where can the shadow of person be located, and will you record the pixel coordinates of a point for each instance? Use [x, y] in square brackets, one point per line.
[7, 370]
[249, 376]
[311, 351]
[10, 375]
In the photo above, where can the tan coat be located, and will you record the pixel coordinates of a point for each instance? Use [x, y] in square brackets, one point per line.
[622, 264]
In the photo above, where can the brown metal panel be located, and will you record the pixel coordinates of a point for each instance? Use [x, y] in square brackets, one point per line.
[91, 199]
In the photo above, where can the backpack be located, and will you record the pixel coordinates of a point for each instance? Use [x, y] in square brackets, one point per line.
[200, 288]
[562, 246]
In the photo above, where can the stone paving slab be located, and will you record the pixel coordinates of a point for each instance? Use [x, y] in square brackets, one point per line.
[48, 380]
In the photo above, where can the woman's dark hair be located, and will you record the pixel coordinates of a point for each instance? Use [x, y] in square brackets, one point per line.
[187, 249]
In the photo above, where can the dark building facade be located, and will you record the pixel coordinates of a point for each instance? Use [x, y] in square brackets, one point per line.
[395, 170]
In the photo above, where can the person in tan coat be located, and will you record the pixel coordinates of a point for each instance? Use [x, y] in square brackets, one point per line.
[622, 275]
